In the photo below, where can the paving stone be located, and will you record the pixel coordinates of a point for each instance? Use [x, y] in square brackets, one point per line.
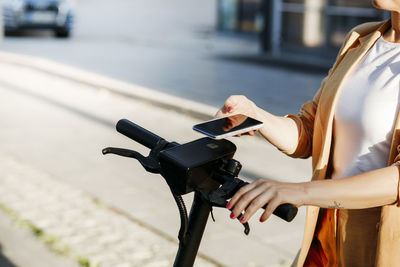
[73, 219]
[123, 264]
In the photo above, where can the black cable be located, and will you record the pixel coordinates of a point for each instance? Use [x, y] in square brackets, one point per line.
[184, 218]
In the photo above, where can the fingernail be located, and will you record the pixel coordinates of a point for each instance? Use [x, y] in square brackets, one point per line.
[262, 220]
[232, 215]
[242, 220]
[228, 206]
[230, 108]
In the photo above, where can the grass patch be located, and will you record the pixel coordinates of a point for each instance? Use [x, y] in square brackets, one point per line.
[52, 242]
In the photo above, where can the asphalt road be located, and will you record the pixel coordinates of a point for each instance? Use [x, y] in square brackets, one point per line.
[170, 46]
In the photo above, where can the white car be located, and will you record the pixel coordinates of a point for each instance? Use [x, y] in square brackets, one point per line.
[57, 15]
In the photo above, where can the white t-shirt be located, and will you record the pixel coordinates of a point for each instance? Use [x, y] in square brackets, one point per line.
[366, 112]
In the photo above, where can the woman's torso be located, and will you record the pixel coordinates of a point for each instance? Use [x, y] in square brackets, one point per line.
[363, 128]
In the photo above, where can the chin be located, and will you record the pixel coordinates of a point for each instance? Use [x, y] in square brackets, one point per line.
[388, 5]
[378, 4]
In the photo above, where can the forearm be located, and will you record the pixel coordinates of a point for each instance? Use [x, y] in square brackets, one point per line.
[370, 189]
[282, 132]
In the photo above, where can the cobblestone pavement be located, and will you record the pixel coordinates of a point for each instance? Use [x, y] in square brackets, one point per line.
[74, 224]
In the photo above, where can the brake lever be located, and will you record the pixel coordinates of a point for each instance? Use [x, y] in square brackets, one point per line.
[150, 163]
[218, 198]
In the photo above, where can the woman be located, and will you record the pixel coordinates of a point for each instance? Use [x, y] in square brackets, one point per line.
[352, 131]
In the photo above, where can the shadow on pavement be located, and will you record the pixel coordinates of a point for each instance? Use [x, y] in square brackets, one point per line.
[294, 64]
[4, 262]
[36, 34]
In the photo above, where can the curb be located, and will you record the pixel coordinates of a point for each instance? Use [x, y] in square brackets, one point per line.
[181, 105]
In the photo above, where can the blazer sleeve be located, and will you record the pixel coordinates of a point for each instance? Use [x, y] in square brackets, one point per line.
[305, 126]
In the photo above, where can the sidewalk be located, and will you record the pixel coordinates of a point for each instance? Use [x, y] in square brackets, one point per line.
[107, 210]
[20, 247]
[74, 224]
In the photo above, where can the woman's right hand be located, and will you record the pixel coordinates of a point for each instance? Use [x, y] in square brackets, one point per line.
[238, 104]
[281, 132]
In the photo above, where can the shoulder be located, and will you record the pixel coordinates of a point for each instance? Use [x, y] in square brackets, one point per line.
[354, 35]
[368, 27]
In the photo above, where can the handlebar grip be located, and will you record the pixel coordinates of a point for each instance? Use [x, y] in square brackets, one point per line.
[285, 211]
[137, 133]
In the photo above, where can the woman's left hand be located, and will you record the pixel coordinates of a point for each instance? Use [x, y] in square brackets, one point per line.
[257, 194]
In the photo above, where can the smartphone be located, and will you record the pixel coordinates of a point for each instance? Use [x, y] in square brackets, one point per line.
[228, 126]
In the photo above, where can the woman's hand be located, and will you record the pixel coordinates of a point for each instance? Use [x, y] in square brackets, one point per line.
[257, 194]
[238, 104]
[282, 132]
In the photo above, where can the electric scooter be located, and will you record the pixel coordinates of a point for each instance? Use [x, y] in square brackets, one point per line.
[204, 166]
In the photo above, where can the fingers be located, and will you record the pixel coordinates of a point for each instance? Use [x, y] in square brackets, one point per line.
[251, 133]
[252, 197]
[272, 205]
[229, 106]
[231, 103]
[223, 112]
[243, 191]
[249, 198]
[253, 206]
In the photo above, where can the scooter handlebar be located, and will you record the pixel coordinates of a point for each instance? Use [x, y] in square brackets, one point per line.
[286, 212]
[137, 133]
[133, 131]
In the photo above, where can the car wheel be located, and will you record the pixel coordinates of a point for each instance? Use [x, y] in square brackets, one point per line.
[63, 33]
[11, 33]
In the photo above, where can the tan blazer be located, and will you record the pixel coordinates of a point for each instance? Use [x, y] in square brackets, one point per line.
[315, 123]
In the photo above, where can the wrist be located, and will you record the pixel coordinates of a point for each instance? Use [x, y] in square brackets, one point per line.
[300, 194]
[257, 113]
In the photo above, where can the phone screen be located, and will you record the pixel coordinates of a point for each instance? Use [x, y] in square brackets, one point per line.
[228, 126]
